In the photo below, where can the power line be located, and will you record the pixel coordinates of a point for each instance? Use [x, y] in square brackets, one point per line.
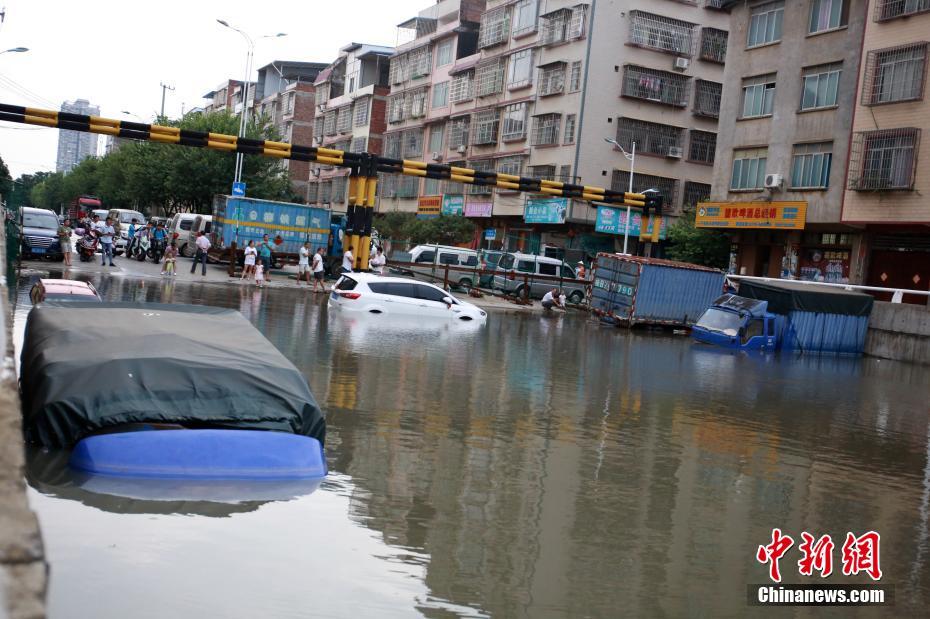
[29, 94]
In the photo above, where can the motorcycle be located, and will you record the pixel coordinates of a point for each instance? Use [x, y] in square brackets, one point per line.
[87, 246]
[158, 250]
[143, 245]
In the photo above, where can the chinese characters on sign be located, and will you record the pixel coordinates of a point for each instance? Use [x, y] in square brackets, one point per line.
[478, 209]
[453, 205]
[613, 221]
[859, 554]
[429, 207]
[770, 215]
[545, 210]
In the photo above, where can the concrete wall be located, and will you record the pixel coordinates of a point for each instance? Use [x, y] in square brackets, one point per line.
[23, 572]
[899, 331]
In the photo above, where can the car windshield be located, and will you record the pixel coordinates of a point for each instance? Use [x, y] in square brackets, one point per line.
[492, 259]
[40, 220]
[721, 321]
[127, 218]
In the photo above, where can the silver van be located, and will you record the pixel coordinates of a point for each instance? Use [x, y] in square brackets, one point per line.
[429, 262]
[187, 241]
[122, 219]
[514, 269]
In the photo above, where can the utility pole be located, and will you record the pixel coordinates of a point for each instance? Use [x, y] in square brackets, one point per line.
[164, 87]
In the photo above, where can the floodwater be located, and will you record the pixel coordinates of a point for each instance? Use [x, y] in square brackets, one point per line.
[534, 467]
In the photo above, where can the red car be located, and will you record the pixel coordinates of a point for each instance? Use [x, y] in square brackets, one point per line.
[63, 290]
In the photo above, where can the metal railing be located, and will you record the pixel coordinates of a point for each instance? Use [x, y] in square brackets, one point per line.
[897, 293]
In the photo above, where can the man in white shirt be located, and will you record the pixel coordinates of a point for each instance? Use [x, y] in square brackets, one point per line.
[106, 232]
[377, 262]
[348, 260]
[318, 271]
[203, 246]
[303, 263]
[552, 299]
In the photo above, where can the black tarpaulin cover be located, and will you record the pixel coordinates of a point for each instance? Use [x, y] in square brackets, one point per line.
[86, 368]
[786, 297]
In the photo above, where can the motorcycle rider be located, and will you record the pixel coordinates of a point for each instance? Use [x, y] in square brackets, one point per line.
[131, 243]
[159, 241]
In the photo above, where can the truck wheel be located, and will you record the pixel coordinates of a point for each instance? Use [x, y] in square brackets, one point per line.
[465, 284]
[576, 297]
[519, 291]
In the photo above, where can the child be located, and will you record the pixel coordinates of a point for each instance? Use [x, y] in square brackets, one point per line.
[248, 269]
[171, 257]
[260, 275]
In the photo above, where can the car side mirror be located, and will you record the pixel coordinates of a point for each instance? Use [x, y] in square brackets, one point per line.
[448, 301]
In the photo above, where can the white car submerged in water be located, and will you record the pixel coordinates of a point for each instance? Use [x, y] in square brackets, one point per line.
[400, 296]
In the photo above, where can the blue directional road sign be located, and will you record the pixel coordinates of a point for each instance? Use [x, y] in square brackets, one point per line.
[238, 189]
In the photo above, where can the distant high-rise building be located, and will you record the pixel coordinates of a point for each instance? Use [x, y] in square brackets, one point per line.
[75, 146]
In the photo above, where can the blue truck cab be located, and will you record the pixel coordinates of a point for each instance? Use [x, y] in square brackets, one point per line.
[737, 323]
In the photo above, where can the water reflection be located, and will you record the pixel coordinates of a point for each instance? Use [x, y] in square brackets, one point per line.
[557, 468]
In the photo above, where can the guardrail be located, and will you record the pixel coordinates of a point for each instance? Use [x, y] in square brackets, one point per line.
[897, 293]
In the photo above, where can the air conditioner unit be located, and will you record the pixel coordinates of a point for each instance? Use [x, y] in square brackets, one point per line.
[682, 63]
[436, 156]
[460, 149]
[774, 181]
[674, 152]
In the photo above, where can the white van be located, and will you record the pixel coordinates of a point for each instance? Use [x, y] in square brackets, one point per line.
[187, 241]
[430, 261]
[515, 271]
[122, 219]
[179, 227]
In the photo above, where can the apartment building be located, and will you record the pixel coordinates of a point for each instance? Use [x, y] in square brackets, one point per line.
[76, 146]
[351, 98]
[543, 86]
[790, 84]
[888, 181]
[223, 97]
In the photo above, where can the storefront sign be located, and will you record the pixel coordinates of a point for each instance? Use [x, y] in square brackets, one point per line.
[545, 210]
[766, 215]
[613, 221]
[478, 209]
[825, 265]
[453, 205]
[429, 206]
[490, 234]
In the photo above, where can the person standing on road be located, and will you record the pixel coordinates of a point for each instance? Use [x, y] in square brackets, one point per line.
[106, 232]
[203, 245]
[64, 239]
[131, 235]
[377, 262]
[265, 253]
[318, 271]
[348, 260]
[303, 263]
[248, 265]
[552, 299]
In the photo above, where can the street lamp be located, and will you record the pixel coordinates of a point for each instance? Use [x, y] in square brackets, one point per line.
[128, 113]
[16, 49]
[631, 156]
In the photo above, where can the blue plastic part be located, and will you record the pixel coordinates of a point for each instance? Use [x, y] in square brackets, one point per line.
[201, 454]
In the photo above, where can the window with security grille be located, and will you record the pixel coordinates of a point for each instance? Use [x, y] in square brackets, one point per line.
[654, 85]
[827, 15]
[362, 105]
[765, 23]
[707, 98]
[419, 62]
[551, 79]
[338, 195]
[694, 193]
[820, 85]
[396, 108]
[651, 138]
[510, 165]
[661, 33]
[321, 93]
[453, 187]
[489, 78]
[495, 27]
[895, 74]
[524, 17]
[485, 126]
[398, 71]
[562, 25]
[458, 132]
[546, 129]
[392, 145]
[574, 77]
[758, 96]
[542, 172]
[326, 190]
[890, 9]
[514, 123]
[702, 146]
[318, 127]
[408, 187]
[714, 45]
[436, 135]
[570, 122]
[387, 185]
[417, 102]
[329, 123]
[565, 174]
[520, 69]
[440, 95]
[463, 87]
[482, 165]
[810, 165]
[413, 143]
[344, 119]
[445, 52]
[431, 186]
[667, 187]
[313, 193]
[884, 160]
[342, 145]
[358, 145]
[749, 168]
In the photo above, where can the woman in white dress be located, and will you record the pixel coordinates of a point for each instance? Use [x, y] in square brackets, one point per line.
[248, 270]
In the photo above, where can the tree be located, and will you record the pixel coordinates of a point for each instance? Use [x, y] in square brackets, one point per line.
[445, 229]
[6, 181]
[689, 243]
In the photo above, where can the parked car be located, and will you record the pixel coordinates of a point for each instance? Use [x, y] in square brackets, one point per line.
[513, 269]
[401, 296]
[40, 234]
[180, 226]
[122, 219]
[490, 258]
[102, 213]
[430, 261]
[187, 241]
[63, 290]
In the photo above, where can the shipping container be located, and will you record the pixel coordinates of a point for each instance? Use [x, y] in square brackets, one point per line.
[287, 224]
[633, 290]
[814, 319]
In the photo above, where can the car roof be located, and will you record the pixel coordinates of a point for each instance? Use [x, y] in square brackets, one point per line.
[32, 209]
[449, 247]
[520, 256]
[67, 286]
[366, 278]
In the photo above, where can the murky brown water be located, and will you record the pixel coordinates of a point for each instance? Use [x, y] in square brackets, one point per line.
[531, 468]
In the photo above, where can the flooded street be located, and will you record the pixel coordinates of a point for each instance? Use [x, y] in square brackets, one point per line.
[533, 467]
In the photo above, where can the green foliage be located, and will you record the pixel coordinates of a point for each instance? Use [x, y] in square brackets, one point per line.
[6, 181]
[689, 243]
[163, 179]
[445, 229]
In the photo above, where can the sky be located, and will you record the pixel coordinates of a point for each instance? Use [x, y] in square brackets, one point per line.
[116, 54]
